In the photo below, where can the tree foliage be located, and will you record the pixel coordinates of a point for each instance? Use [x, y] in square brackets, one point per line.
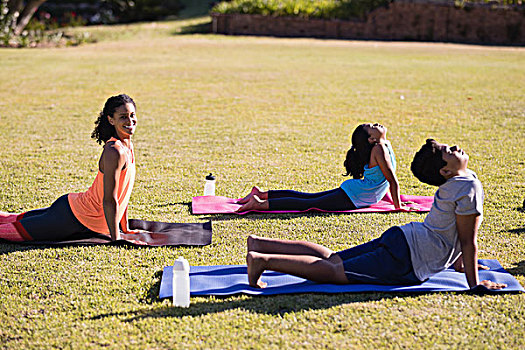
[15, 15]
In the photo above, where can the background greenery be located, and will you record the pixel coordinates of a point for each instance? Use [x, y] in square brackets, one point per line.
[325, 9]
[111, 11]
[272, 112]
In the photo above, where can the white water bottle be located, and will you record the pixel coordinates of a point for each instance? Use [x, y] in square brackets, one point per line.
[181, 283]
[209, 185]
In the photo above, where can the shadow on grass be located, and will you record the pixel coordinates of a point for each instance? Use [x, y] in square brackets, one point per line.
[9, 247]
[153, 292]
[268, 305]
[261, 216]
[517, 230]
[200, 28]
[518, 269]
[162, 205]
[287, 216]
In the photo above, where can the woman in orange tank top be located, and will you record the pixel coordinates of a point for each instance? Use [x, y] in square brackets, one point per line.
[103, 207]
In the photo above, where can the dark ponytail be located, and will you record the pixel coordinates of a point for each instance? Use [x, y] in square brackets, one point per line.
[103, 129]
[359, 154]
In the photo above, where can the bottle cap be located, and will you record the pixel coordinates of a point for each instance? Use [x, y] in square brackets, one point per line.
[210, 177]
[181, 264]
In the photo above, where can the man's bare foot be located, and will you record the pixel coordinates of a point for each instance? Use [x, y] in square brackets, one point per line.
[254, 192]
[254, 203]
[255, 269]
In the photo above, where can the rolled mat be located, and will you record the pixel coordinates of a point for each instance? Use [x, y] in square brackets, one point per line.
[233, 279]
[224, 205]
[159, 234]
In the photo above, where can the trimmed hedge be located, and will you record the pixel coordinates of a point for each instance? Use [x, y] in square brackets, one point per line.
[322, 9]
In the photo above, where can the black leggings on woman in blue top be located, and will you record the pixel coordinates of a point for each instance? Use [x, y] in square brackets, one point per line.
[332, 200]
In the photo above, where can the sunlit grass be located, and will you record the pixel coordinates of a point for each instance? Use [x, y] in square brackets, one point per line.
[272, 112]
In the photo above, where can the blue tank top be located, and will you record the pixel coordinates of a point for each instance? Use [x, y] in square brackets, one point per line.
[372, 187]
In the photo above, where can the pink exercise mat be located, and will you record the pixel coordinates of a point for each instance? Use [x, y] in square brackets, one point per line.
[224, 205]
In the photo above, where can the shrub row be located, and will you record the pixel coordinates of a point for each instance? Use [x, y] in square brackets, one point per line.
[323, 9]
[320, 9]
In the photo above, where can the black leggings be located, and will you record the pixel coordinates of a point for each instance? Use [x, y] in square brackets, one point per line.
[54, 223]
[332, 200]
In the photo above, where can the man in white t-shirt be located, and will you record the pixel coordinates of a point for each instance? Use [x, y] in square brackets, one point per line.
[401, 255]
[448, 234]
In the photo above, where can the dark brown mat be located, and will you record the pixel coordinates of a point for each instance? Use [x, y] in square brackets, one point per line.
[159, 234]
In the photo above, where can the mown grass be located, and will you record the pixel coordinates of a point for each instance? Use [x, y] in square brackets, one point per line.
[272, 112]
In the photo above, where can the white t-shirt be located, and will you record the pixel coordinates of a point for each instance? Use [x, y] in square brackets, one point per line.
[434, 243]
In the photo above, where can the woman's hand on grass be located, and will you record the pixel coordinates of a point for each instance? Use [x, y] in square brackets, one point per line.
[404, 206]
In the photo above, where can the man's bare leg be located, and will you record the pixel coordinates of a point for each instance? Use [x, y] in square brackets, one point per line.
[316, 269]
[281, 246]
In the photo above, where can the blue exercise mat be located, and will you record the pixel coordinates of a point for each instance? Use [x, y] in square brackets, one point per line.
[232, 279]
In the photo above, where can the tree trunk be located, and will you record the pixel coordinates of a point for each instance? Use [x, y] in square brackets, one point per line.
[15, 5]
[26, 14]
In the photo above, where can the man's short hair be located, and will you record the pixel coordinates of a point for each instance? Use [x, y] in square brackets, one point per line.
[427, 163]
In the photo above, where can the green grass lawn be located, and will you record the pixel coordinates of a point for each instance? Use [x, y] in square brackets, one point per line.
[273, 112]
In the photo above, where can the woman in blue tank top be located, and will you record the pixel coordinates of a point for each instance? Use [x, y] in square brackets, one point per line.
[370, 161]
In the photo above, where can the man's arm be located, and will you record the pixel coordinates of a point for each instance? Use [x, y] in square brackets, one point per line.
[467, 226]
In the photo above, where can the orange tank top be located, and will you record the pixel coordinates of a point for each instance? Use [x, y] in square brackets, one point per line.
[87, 206]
